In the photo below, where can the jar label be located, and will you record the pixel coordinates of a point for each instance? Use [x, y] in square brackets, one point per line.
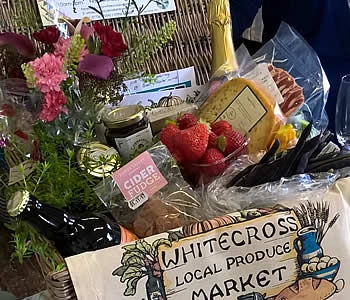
[139, 180]
[135, 143]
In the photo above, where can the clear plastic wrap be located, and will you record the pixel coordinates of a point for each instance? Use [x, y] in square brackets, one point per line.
[174, 205]
[290, 52]
[219, 200]
[19, 110]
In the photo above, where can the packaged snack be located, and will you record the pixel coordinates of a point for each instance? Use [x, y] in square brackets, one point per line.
[149, 194]
[288, 51]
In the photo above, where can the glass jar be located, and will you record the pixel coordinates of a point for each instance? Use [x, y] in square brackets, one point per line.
[128, 130]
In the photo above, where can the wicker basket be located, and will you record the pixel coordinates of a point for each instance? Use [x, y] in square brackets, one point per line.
[190, 47]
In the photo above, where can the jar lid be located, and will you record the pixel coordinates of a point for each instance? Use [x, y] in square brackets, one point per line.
[99, 160]
[18, 203]
[124, 116]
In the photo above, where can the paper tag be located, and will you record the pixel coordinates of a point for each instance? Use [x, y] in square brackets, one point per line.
[244, 112]
[139, 180]
[18, 173]
[261, 75]
[138, 201]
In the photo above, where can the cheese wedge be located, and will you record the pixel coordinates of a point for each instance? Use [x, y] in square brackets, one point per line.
[248, 108]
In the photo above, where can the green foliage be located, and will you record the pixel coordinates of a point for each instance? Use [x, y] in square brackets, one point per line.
[143, 46]
[29, 74]
[71, 59]
[60, 181]
[27, 241]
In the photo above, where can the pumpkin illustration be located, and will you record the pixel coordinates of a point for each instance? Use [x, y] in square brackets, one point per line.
[208, 225]
[170, 100]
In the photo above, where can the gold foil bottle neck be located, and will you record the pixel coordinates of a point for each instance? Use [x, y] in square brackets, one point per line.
[220, 24]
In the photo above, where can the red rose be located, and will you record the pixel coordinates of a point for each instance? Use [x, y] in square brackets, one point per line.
[48, 35]
[112, 42]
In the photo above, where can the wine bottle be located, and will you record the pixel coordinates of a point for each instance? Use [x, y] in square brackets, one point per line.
[220, 25]
[72, 234]
[154, 286]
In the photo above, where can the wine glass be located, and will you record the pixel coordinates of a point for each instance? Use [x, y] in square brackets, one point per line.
[342, 113]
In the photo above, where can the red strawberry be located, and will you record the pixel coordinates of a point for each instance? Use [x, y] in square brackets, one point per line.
[192, 142]
[186, 121]
[220, 127]
[167, 137]
[230, 141]
[212, 140]
[215, 160]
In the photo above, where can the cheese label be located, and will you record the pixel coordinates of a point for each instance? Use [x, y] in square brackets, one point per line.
[244, 112]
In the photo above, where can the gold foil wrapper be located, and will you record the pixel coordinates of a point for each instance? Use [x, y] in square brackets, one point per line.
[220, 25]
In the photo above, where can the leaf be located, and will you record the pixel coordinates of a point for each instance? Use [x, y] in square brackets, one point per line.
[132, 254]
[158, 243]
[144, 247]
[130, 247]
[119, 271]
[136, 262]
[175, 236]
[91, 44]
[131, 286]
[130, 272]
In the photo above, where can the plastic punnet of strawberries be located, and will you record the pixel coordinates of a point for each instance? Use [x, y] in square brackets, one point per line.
[202, 150]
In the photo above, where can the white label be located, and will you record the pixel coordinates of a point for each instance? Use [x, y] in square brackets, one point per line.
[51, 10]
[261, 75]
[137, 142]
[244, 112]
[138, 201]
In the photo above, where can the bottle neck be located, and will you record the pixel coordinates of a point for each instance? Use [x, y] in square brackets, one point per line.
[45, 218]
[220, 24]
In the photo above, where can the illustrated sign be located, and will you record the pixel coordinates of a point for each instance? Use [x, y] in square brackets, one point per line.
[259, 254]
[52, 10]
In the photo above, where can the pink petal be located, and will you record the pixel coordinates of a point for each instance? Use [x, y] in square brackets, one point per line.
[86, 31]
[97, 65]
[21, 43]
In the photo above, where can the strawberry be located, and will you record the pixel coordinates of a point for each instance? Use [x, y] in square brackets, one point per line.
[215, 161]
[186, 121]
[167, 137]
[220, 127]
[212, 140]
[230, 141]
[192, 142]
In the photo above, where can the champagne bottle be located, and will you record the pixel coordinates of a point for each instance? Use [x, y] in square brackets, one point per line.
[72, 234]
[220, 25]
[154, 286]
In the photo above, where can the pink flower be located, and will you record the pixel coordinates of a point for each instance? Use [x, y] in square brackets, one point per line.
[63, 44]
[48, 72]
[52, 106]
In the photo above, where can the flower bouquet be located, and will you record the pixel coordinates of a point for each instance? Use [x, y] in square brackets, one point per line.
[52, 94]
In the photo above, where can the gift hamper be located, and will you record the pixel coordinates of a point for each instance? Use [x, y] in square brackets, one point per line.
[240, 183]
